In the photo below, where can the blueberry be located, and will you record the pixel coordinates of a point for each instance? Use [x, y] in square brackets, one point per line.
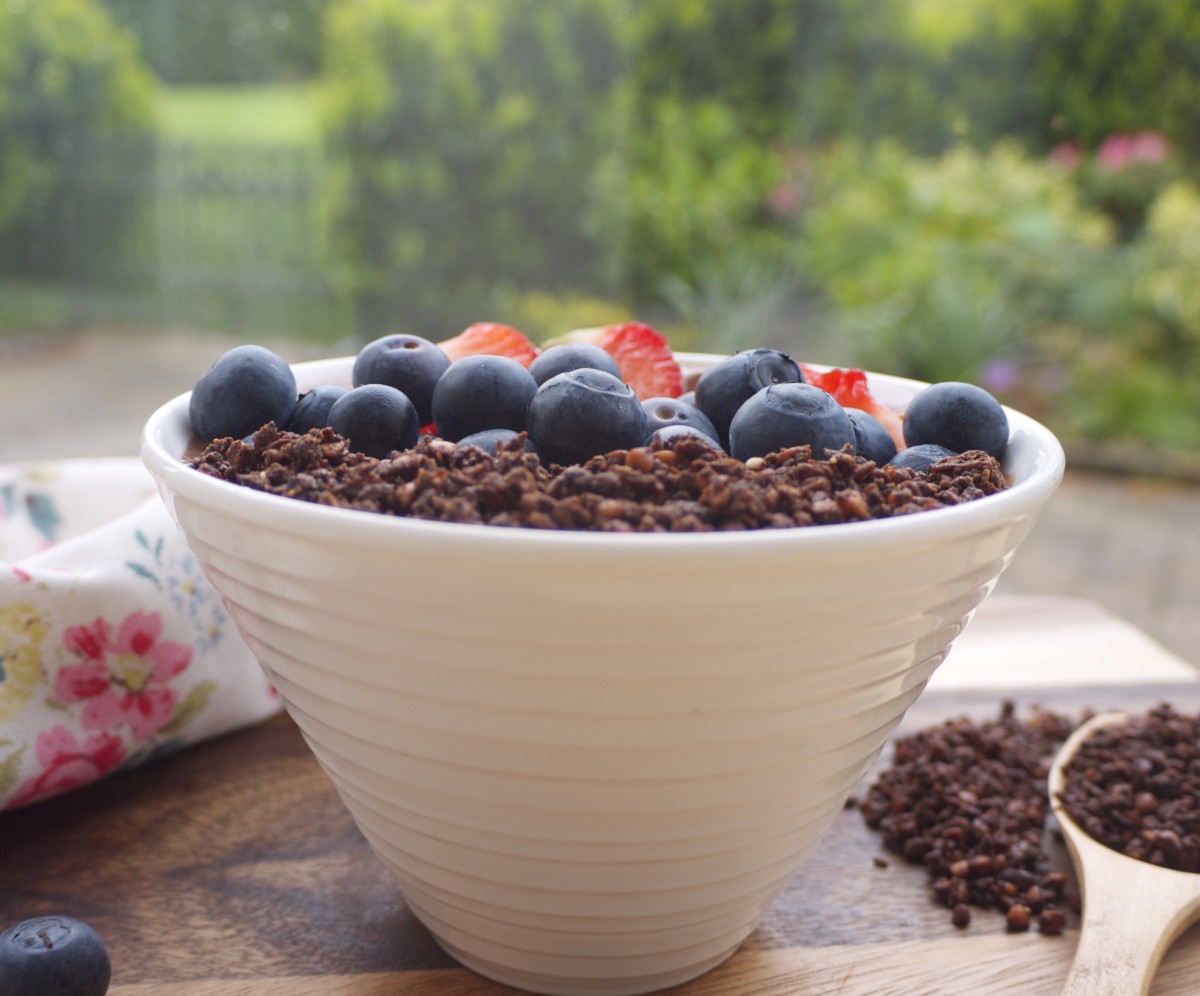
[53, 955]
[490, 440]
[408, 363]
[920, 457]
[377, 419]
[871, 439]
[572, 356]
[482, 392]
[312, 410]
[661, 412]
[728, 383]
[661, 436]
[958, 416]
[582, 413]
[791, 414]
[246, 388]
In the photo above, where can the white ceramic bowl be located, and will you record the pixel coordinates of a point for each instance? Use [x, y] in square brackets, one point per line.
[593, 760]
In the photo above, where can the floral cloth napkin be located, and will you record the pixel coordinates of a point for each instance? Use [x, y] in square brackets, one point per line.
[114, 649]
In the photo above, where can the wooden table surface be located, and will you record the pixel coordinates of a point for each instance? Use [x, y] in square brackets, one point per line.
[232, 869]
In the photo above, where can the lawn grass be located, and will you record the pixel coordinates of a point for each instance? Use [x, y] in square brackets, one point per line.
[274, 114]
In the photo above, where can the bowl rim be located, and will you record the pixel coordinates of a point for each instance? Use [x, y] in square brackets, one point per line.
[172, 476]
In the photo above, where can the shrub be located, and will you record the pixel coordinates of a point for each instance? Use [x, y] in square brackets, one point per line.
[1170, 260]
[464, 135]
[716, 97]
[1100, 67]
[933, 267]
[69, 80]
[225, 41]
[1048, 71]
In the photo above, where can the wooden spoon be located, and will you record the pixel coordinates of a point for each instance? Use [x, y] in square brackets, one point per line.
[1132, 910]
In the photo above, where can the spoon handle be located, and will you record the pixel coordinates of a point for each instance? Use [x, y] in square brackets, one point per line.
[1129, 921]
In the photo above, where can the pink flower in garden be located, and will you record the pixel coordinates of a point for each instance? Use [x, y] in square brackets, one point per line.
[126, 679]
[1067, 155]
[1150, 147]
[1115, 153]
[66, 763]
[786, 200]
[1118, 152]
[1000, 375]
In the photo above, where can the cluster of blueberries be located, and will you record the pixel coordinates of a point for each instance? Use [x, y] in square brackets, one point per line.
[572, 404]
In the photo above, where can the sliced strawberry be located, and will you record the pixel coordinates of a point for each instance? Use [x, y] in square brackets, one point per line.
[645, 360]
[849, 388]
[490, 339]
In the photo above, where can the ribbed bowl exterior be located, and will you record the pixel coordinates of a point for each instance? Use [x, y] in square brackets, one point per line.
[592, 761]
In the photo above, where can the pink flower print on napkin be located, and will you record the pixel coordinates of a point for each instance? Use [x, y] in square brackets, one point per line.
[126, 679]
[66, 763]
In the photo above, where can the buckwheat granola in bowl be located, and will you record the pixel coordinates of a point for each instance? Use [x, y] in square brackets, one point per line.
[684, 485]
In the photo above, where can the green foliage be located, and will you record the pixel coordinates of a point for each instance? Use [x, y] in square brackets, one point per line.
[717, 97]
[68, 79]
[688, 187]
[225, 41]
[935, 266]
[737, 301]
[1116, 393]
[1105, 66]
[989, 267]
[1167, 284]
[273, 113]
[1045, 71]
[791, 70]
[464, 134]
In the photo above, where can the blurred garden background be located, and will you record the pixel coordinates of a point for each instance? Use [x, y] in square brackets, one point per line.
[1002, 191]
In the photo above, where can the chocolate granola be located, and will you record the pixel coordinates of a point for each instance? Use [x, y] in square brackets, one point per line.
[686, 486]
[967, 799]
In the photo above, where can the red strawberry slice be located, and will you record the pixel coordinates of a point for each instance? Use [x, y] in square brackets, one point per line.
[490, 339]
[645, 360]
[849, 388]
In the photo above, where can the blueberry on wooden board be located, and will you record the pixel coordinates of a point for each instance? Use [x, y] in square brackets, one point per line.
[53, 956]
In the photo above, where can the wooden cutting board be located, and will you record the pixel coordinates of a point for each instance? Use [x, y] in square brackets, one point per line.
[232, 869]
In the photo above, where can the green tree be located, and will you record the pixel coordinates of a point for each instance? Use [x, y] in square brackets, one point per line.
[721, 101]
[69, 79]
[463, 135]
[1105, 66]
[225, 41]
[1046, 71]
